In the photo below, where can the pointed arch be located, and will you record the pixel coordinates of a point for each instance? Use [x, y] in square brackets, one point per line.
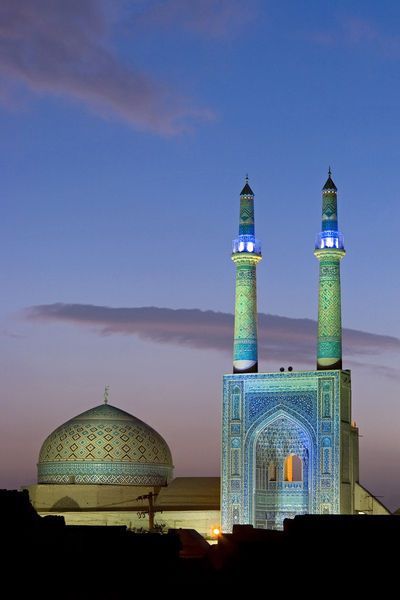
[296, 429]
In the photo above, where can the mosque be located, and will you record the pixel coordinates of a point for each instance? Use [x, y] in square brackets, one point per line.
[289, 445]
[106, 467]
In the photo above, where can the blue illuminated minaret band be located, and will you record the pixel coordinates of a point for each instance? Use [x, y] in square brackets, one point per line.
[246, 254]
[329, 250]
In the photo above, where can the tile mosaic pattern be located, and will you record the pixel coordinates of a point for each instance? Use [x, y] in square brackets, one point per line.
[105, 445]
[266, 418]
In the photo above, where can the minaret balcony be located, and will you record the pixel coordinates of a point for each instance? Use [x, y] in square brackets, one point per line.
[247, 244]
[329, 239]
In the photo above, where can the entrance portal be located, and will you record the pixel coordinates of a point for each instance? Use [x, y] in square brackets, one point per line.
[282, 473]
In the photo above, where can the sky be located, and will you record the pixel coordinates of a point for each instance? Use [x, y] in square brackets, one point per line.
[127, 129]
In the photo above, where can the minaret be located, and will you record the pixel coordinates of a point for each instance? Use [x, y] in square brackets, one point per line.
[246, 254]
[329, 250]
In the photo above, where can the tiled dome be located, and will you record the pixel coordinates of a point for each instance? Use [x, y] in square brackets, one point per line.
[105, 445]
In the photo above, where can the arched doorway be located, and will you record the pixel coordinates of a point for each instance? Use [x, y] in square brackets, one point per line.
[282, 452]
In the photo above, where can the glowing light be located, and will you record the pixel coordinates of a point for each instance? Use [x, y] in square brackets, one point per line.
[216, 531]
[329, 239]
[246, 243]
[331, 242]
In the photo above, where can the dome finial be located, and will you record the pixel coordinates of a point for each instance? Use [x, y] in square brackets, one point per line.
[247, 178]
[329, 171]
[106, 390]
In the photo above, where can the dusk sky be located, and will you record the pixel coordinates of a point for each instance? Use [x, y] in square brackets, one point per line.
[127, 129]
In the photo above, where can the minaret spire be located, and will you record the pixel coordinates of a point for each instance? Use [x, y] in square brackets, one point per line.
[246, 254]
[329, 250]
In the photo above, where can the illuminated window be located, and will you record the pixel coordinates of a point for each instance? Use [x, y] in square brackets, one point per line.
[293, 468]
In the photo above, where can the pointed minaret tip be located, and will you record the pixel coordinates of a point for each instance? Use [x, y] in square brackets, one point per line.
[247, 191]
[329, 185]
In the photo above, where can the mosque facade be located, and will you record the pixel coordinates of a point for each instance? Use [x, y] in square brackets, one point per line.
[289, 445]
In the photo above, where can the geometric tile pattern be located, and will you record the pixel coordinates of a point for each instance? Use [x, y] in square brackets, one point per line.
[246, 225]
[266, 417]
[103, 473]
[329, 211]
[329, 346]
[246, 255]
[245, 336]
[245, 333]
[329, 306]
[105, 445]
[278, 440]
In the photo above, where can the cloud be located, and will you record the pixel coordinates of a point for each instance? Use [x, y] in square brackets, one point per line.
[354, 31]
[383, 370]
[280, 338]
[209, 18]
[64, 48]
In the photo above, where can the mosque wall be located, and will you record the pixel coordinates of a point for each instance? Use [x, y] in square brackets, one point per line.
[50, 497]
[188, 502]
[366, 503]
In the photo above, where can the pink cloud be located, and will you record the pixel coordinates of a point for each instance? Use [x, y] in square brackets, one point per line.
[63, 48]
